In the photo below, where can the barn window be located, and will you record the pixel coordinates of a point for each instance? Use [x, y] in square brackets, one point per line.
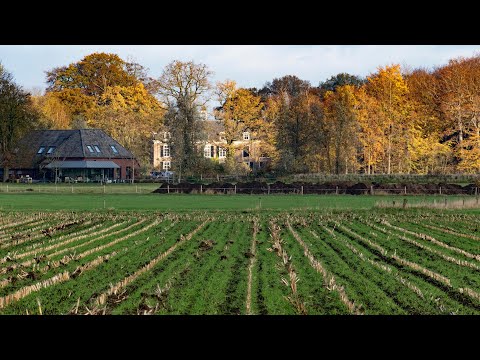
[41, 150]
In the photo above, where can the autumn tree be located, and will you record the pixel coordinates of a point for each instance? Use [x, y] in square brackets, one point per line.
[389, 88]
[184, 88]
[129, 115]
[429, 152]
[53, 114]
[17, 116]
[459, 101]
[104, 91]
[240, 111]
[371, 131]
[340, 108]
[297, 117]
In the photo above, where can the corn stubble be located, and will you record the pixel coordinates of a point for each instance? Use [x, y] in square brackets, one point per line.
[43, 251]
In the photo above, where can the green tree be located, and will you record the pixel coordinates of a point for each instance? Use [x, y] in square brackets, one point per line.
[341, 79]
[17, 116]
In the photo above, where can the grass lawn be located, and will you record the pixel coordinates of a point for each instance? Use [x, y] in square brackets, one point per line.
[184, 202]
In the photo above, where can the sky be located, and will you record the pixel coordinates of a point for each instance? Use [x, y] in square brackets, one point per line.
[248, 65]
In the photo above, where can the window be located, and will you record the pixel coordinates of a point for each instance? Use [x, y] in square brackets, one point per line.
[51, 149]
[97, 149]
[207, 152]
[222, 152]
[246, 135]
[167, 135]
[41, 150]
[166, 165]
[89, 147]
[245, 152]
[114, 149]
[166, 151]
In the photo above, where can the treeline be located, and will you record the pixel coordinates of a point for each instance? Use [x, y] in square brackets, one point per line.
[418, 121]
[393, 121]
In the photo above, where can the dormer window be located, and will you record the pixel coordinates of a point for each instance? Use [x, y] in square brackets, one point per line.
[41, 150]
[90, 148]
[246, 135]
[97, 149]
[51, 149]
[114, 149]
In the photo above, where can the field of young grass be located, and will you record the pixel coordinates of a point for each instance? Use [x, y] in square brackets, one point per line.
[373, 261]
[188, 202]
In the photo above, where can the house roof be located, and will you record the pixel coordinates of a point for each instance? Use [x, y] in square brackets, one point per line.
[212, 129]
[66, 144]
[82, 164]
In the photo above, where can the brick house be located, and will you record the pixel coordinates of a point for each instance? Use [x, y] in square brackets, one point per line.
[247, 150]
[72, 155]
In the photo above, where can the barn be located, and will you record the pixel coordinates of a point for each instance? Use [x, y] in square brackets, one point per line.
[84, 155]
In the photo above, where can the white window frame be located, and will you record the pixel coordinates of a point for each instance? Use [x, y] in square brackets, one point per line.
[167, 165]
[166, 150]
[207, 151]
[222, 152]
[246, 135]
[167, 135]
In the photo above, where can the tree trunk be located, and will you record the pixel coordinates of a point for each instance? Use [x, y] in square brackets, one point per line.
[389, 151]
[5, 173]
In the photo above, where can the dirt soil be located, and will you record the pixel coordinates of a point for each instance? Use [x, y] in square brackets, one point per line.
[279, 187]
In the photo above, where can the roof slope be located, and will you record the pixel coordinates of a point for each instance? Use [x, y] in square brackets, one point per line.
[68, 144]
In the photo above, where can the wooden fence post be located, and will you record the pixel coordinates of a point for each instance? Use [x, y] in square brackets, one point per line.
[104, 189]
[336, 190]
[440, 190]
[405, 190]
[235, 192]
[201, 188]
[268, 189]
[371, 189]
[302, 189]
[168, 188]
